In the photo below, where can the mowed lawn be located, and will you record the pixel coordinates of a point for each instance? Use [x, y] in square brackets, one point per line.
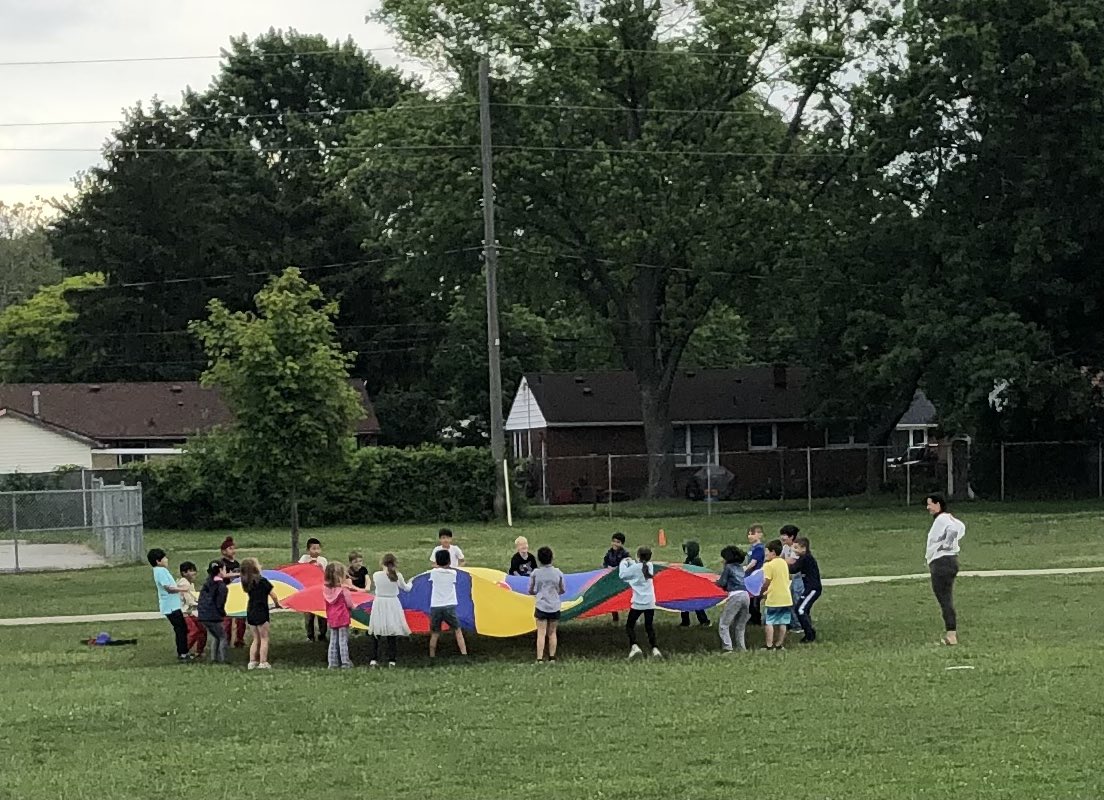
[848, 542]
[876, 711]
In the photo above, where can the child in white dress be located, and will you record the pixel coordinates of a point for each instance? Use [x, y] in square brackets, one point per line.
[388, 618]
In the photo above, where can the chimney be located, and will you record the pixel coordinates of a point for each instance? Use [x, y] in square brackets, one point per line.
[36, 406]
[780, 376]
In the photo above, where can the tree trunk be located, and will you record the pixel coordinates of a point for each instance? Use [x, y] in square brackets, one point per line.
[658, 437]
[881, 430]
[294, 526]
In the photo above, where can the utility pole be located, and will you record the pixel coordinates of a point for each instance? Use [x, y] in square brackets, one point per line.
[490, 261]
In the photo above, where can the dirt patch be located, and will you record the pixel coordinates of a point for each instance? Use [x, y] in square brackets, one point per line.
[35, 557]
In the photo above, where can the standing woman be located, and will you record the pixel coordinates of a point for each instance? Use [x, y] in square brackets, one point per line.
[942, 556]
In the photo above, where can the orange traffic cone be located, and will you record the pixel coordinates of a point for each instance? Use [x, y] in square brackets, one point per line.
[662, 538]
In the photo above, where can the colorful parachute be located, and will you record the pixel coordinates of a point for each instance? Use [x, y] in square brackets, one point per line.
[495, 604]
[286, 582]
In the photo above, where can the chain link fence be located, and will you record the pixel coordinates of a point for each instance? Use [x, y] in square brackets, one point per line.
[107, 518]
[793, 478]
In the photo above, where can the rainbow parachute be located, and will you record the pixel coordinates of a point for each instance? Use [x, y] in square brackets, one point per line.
[495, 604]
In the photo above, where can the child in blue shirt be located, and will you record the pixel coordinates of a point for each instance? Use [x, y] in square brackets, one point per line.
[756, 558]
[168, 600]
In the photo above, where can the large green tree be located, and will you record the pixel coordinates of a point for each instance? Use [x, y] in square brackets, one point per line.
[641, 170]
[283, 373]
[26, 259]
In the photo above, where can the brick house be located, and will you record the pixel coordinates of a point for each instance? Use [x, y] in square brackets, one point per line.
[750, 420]
[104, 426]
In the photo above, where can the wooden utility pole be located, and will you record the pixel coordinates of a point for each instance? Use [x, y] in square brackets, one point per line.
[490, 261]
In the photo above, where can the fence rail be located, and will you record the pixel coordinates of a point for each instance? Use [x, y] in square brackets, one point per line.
[959, 469]
[108, 517]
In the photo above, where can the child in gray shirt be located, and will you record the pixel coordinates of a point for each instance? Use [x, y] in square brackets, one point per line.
[547, 583]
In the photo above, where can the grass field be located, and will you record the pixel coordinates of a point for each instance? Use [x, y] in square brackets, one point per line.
[873, 712]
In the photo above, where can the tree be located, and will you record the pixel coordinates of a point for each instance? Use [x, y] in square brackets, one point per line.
[645, 172]
[26, 260]
[36, 338]
[285, 377]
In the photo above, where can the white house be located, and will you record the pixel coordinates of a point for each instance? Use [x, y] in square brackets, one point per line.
[28, 444]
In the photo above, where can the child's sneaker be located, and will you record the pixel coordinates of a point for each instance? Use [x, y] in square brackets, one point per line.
[252, 665]
[390, 663]
[635, 651]
[264, 665]
[656, 653]
[373, 663]
[184, 659]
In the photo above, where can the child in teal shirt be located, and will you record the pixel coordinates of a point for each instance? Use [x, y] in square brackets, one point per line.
[168, 600]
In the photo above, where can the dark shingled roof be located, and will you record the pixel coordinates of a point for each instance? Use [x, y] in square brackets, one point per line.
[113, 411]
[921, 412]
[704, 395]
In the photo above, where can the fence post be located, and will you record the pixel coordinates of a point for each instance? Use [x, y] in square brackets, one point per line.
[506, 485]
[1100, 469]
[1002, 472]
[809, 476]
[544, 472]
[84, 497]
[950, 471]
[609, 484]
[908, 483]
[15, 532]
[709, 484]
[782, 474]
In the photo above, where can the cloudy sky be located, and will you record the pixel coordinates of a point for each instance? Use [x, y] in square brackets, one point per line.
[59, 30]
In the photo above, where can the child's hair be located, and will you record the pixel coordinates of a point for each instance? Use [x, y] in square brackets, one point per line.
[521, 540]
[940, 501]
[442, 558]
[227, 542]
[334, 575]
[250, 573]
[155, 555]
[311, 542]
[790, 530]
[644, 555]
[187, 566]
[389, 563]
[354, 555]
[755, 527]
[618, 537]
[214, 568]
[544, 556]
[804, 542]
[733, 554]
[775, 547]
[444, 532]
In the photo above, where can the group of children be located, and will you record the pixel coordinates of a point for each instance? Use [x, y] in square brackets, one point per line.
[791, 585]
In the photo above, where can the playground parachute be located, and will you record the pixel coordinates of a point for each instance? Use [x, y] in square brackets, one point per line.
[492, 603]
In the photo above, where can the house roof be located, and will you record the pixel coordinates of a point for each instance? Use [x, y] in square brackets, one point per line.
[743, 394]
[150, 410]
[921, 412]
[704, 395]
[12, 413]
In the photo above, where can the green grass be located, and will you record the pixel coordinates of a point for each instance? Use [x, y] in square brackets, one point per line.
[871, 713]
[847, 542]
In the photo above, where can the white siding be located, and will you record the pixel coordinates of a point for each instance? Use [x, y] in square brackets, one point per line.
[26, 447]
[525, 414]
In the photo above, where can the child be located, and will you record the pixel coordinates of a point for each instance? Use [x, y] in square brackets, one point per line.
[757, 556]
[776, 590]
[734, 618]
[443, 602]
[788, 534]
[444, 544]
[358, 573]
[547, 584]
[168, 600]
[314, 556]
[812, 588]
[692, 550]
[235, 627]
[189, 600]
[339, 602]
[638, 574]
[259, 590]
[388, 619]
[523, 562]
[613, 558]
[211, 611]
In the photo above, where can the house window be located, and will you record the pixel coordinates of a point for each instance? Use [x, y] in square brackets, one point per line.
[842, 434]
[763, 436]
[919, 437]
[695, 445]
[132, 458]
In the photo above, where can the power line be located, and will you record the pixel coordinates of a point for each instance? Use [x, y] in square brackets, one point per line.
[224, 54]
[671, 51]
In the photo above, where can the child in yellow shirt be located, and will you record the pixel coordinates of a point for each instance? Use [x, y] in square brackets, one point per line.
[777, 599]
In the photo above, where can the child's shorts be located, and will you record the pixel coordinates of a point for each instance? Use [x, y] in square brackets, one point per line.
[779, 616]
[446, 614]
[546, 616]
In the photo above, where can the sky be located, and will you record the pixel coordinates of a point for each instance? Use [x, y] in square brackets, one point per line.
[58, 30]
